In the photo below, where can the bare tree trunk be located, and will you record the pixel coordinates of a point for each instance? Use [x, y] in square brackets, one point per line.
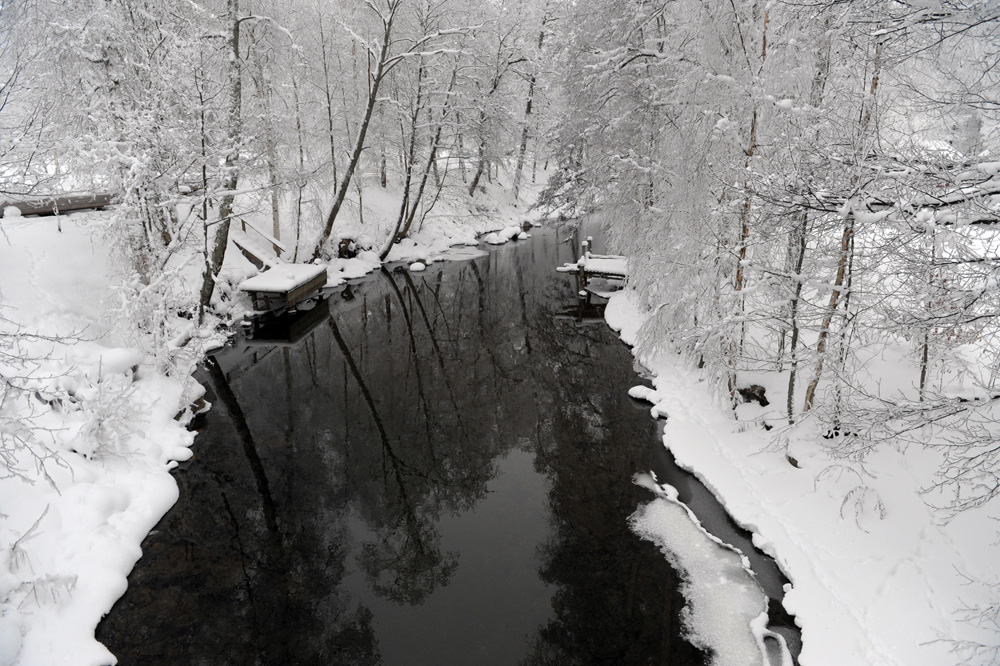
[800, 255]
[798, 240]
[231, 165]
[844, 341]
[383, 178]
[431, 160]
[924, 353]
[736, 347]
[524, 130]
[527, 108]
[824, 333]
[410, 204]
[408, 160]
[264, 93]
[359, 142]
[461, 149]
[480, 167]
[207, 270]
[300, 179]
[846, 244]
[329, 101]
[926, 342]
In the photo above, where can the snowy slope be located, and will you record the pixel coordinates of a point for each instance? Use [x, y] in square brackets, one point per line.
[89, 440]
[877, 578]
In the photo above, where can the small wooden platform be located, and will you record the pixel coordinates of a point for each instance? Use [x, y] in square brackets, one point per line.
[257, 246]
[283, 286]
[590, 265]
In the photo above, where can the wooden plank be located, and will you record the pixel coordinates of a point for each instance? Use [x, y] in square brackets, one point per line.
[249, 254]
[264, 301]
[278, 246]
[304, 291]
[584, 270]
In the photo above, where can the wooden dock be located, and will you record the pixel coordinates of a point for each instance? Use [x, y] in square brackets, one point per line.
[282, 285]
[606, 266]
[286, 329]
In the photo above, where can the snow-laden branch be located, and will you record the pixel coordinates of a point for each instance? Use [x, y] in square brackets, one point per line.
[275, 23]
[392, 62]
[361, 40]
[413, 51]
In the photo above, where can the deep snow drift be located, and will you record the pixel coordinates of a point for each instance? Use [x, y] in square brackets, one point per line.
[90, 438]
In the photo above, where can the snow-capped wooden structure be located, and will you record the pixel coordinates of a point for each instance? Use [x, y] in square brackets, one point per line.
[589, 265]
[253, 244]
[282, 285]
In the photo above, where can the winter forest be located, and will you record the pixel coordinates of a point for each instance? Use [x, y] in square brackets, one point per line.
[808, 192]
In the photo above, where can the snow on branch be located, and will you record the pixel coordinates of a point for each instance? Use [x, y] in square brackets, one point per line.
[278, 26]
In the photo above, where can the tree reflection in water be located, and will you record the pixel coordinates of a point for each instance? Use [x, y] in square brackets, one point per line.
[400, 412]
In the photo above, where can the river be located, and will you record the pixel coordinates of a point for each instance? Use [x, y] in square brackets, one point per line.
[426, 468]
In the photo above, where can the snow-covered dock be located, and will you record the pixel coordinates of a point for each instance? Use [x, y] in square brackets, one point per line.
[284, 286]
[590, 265]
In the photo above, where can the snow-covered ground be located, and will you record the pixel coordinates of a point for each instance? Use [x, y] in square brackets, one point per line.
[878, 578]
[93, 405]
[89, 438]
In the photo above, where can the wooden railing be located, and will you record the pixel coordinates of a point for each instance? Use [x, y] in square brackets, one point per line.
[275, 243]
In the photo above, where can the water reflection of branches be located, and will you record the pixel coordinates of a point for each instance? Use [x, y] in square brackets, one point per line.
[220, 385]
[435, 291]
[445, 375]
[421, 393]
[401, 567]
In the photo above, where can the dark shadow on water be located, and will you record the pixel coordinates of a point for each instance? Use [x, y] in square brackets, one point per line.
[433, 469]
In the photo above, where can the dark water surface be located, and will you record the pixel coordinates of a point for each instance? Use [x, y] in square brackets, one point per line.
[436, 471]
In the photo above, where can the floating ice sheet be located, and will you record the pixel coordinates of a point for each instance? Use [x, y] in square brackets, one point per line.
[726, 610]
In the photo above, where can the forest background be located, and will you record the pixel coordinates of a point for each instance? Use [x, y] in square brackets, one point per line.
[808, 191]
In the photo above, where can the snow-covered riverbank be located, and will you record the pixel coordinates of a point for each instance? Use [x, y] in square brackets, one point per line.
[93, 425]
[876, 577]
[89, 438]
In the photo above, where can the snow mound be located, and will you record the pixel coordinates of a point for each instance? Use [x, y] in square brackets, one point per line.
[505, 235]
[624, 315]
[10, 641]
